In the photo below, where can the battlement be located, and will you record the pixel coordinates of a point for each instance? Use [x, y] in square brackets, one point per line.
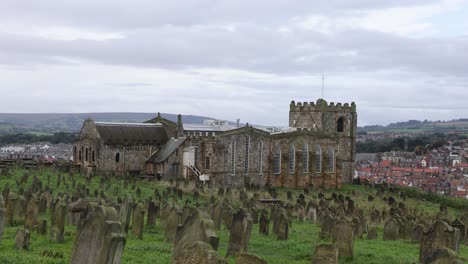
[323, 106]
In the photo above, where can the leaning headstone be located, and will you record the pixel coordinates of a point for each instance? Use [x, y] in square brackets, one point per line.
[343, 237]
[22, 239]
[99, 238]
[391, 229]
[241, 228]
[245, 258]
[441, 235]
[125, 212]
[196, 240]
[325, 254]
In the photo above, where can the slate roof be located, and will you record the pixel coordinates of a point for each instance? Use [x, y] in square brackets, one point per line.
[166, 150]
[131, 134]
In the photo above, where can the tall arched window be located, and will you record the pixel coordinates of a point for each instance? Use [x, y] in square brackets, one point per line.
[93, 156]
[277, 160]
[340, 125]
[86, 154]
[305, 158]
[80, 155]
[232, 159]
[246, 154]
[331, 159]
[292, 159]
[260, 157]
[74, 153]
[117, 157]
[318, 158]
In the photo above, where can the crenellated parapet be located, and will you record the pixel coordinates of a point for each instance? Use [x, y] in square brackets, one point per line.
[322, 106]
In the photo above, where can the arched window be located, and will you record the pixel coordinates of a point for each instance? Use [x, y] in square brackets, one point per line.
[305, 158]
[260, 157]
[92, 156]
[86, 154]
[277, 160]
[232, 160]
[246, 155]
[331, 159]
[340, 125]
[74, 152]
[117, 157]
[80, 155]
[318, 158]
[292, 159]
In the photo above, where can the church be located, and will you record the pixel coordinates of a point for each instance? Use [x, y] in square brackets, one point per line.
[318, 148]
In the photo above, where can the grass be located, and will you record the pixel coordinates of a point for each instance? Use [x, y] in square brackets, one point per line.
[298, 249]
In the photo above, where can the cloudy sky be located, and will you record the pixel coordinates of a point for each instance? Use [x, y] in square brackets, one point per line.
[247, 59]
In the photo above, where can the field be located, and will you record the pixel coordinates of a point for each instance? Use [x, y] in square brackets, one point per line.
[298, 249]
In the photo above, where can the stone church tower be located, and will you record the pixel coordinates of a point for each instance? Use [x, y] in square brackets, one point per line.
[336, 121]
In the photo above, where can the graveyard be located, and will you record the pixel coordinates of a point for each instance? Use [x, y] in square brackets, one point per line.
[50, 216]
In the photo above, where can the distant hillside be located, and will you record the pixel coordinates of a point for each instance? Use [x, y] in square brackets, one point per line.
[55, 122]
[416, 126]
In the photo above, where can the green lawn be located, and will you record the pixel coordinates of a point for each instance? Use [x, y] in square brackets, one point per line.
[303, 237]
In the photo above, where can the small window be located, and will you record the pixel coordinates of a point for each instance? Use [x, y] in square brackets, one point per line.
[305, 158]
[318, 158]
[340, 125]
[117, 157]
[292, 159]
[277, 160]
[207, 163]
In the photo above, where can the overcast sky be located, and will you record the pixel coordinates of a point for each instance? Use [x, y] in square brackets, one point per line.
[247, 59]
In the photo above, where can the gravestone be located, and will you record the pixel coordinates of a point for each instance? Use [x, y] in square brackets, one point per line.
[441, 235]
[264, 225]
[416, 234]
[2, 217]
[245, 258]
[32, 213]
[391, 229]
[138, 221]
[125, 213]
[283, 227]
[99, 237]
[325, 254]
[195, 240]
[312, 215]
[58, 221]
[343, 237]
[327, 226]
[241, 228]
[458, 223]
[372, 234]
[22, 239]
[153, 209]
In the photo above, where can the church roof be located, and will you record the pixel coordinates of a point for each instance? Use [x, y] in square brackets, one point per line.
[131, 134]
[167, 150]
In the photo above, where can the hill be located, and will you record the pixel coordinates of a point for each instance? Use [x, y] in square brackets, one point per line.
[49, 123]
[416, 126]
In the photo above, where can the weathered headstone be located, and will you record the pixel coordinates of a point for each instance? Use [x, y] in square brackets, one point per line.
[138, 221]
[441, 235]
[2, 216]
[343, 237]
[325, 254]
[153, 209]
[283, 227]
[125, 213]
[196, 240]
[372, 234]
[416, 234]
[22, 239]
[32, 213]
[241, 228]
[264, 225]
[327, 227]
[99, 238]
[58, 221]
[245, 258]
[391, 229]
